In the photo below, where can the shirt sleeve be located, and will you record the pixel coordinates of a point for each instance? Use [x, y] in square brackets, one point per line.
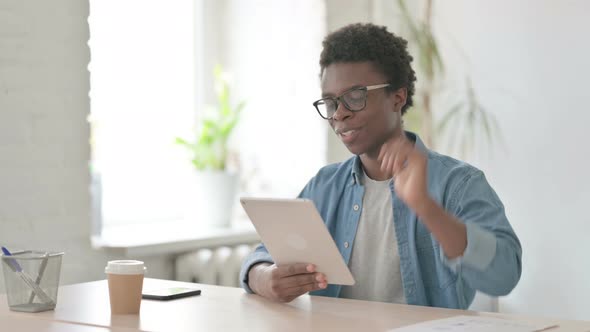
[492, 260]
[260, 255]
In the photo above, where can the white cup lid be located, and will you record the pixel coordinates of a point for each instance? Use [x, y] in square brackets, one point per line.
[125, 267]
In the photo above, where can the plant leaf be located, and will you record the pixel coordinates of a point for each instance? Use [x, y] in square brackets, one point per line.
[209, 150]
[452, 113]
[183, 142]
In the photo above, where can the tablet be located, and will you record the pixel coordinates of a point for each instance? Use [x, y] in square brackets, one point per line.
[293, 232]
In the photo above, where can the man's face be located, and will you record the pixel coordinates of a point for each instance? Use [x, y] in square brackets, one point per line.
[362, 132]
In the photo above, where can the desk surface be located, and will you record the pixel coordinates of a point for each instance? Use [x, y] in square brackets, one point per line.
[26, 324]
[231, 309]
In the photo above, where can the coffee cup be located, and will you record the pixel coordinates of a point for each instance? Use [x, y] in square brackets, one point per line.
[125, 278]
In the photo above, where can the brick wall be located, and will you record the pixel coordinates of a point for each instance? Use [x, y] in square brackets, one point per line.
[44, 149]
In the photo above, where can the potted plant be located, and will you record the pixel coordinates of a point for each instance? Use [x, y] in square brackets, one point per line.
[215, 186]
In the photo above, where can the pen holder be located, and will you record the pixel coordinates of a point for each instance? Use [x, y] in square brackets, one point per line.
[32, 280]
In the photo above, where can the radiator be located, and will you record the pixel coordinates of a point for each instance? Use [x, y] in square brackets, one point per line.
[214, 266]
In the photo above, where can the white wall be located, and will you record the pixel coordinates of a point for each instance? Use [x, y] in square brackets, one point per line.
[529, 61]
[44, 149]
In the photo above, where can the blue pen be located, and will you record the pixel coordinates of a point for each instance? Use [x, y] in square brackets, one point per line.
[13, 263]
[15, 266]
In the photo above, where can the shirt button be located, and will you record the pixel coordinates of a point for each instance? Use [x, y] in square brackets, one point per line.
[355, 207]
[345, 244]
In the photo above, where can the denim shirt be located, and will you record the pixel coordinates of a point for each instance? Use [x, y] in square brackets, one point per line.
[491, 262]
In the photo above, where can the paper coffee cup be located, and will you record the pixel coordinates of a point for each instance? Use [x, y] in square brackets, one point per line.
[125, 279]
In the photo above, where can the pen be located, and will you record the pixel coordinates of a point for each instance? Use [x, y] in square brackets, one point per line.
[15, 266]
[40, 275]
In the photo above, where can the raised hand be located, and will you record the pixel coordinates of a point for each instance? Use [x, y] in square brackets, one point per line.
[408, 166]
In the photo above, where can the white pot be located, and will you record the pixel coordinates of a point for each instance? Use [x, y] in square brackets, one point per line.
[213, 198]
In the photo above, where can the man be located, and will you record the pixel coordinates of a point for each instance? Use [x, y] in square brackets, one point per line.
[414, 226]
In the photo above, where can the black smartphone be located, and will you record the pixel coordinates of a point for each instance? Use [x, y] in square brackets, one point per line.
[171, 293]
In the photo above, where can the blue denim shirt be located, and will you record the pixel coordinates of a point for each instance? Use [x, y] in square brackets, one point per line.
[491, 262]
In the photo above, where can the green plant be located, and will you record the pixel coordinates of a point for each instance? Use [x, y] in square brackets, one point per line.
[210, 148]
[460, 124]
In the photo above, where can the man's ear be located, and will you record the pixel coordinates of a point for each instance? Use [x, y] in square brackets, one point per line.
[399, 98]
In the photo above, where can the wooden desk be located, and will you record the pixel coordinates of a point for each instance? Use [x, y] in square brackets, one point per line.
[231, 309]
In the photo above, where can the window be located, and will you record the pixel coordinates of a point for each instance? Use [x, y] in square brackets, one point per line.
[142, 96]
[150, 68]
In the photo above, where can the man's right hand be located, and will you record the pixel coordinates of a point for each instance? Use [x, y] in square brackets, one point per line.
[286, 282]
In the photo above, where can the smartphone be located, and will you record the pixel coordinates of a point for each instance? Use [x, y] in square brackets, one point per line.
[172, 293]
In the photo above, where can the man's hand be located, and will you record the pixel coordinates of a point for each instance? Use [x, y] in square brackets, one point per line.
[408, 167]
[286, 282]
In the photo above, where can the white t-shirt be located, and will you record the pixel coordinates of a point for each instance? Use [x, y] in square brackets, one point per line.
[374, 261]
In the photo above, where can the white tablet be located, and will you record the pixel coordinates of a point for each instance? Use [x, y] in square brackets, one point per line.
[293, 232]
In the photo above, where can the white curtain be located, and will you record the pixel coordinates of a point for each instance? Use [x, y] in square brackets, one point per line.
[272, 50]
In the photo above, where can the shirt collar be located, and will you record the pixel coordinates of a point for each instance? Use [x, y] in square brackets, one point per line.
[357, 171]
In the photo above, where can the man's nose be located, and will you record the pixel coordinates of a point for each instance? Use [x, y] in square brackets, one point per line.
[341, 112]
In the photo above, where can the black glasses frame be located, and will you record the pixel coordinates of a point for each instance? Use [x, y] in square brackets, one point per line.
[337, 100]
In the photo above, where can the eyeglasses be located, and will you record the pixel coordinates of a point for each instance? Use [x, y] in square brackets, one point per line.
[354, 100]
